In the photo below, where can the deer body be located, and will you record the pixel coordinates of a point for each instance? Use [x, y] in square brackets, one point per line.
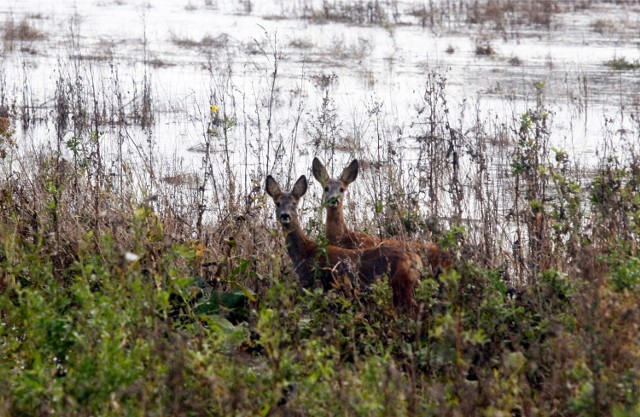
[339, 234]
[361, 266]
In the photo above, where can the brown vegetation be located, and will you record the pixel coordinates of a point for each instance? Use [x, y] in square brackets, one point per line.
[22, 32]
[132, 286]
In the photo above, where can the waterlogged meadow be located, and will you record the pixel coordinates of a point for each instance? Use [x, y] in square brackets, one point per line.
[142, 269]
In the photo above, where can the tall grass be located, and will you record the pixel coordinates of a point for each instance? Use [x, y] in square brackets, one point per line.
[129, 286]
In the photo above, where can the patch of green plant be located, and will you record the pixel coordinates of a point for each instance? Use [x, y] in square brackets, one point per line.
[622, 64]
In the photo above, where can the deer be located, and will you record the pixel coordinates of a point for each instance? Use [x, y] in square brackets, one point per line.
[330, 263]
[340, 235]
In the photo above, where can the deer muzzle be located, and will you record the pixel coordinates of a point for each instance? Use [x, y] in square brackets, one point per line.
[285, 218]
[333, 201]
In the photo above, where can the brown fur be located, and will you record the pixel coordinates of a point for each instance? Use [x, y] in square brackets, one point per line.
[339, 235]
[361, 266]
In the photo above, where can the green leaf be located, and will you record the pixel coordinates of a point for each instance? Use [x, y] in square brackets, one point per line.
[221, 302]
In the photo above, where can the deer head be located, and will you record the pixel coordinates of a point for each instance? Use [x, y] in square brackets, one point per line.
[286, 202]
[334, 189]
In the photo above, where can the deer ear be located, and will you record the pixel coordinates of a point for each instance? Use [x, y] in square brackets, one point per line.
[350, 173]
[272, 187]
[300, 187]
[319, 171]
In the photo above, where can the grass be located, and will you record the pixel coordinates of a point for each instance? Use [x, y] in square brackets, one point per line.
[621, 64]
[356, 13]
[118, 309]
[485, 49]
[603, 26]
[207, 42]
[507, 17]
[22, 33]
[515, 61]
[129, 287]
[88, 329]
[301, 44]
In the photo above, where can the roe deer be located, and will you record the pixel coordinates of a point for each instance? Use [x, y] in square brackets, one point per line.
[361, 266]
[339, 235]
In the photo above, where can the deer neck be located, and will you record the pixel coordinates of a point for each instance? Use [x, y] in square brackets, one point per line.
[301, 250]
[335, 228]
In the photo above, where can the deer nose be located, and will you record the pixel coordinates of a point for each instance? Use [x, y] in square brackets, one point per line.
[285, 218]
[333, 201]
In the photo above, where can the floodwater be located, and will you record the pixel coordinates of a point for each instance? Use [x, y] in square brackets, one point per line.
[278, 82]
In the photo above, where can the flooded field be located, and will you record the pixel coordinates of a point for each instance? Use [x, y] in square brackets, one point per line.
[232, 90]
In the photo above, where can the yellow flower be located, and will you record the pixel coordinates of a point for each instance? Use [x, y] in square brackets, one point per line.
[214, 108]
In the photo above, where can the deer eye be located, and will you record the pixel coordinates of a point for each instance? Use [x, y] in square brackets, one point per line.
[278, 204]
[326, 189]
[342, 189]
